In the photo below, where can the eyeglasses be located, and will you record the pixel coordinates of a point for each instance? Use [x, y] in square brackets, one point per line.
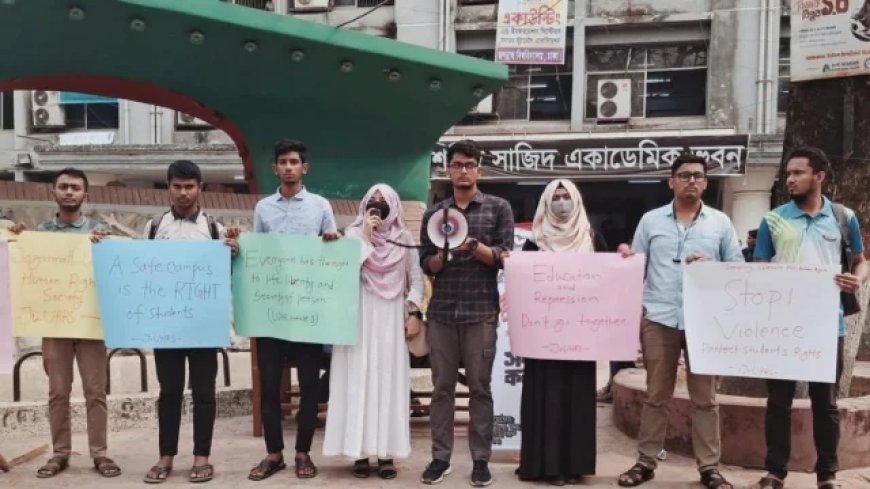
[686, 176]
[468, 166]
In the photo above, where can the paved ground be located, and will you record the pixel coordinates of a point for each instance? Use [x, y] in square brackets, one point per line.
[235, 451]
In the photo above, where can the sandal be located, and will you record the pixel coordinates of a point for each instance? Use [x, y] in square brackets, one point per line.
[828, 484]
[712, 479]
[265, 469]
[305, 468]
[54, 466]
[201, 473]
[769, 482]
[362, 469]
[386, 469]
[157, 474]
[636, 476]
[106, 467]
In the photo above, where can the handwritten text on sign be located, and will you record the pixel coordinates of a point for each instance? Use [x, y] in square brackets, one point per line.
[6, 350]
[54, 294]
[164, 294]
[297, 288]
[574, 306]
[770, 320]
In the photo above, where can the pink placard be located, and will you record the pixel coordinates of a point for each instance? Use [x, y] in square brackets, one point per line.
[6, 349]
[574, 306]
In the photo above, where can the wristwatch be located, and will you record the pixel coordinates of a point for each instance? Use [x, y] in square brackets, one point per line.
[418, 314]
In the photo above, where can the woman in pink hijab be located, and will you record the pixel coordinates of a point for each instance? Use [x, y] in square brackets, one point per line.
[369, 387]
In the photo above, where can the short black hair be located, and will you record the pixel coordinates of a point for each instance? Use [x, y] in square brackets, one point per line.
[466, 147]
[184, 170]
[285, 146]
[686, 159]
[70, 172]
[753, 233]
[818, 159]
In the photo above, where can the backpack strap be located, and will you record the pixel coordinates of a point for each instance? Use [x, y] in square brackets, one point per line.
[846, 243]
[155, 224]
[212, 227]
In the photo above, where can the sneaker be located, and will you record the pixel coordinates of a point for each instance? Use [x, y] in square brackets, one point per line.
[435, 472]
[480, 476]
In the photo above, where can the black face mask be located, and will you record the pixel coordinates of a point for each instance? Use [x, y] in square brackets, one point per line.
[382, 208]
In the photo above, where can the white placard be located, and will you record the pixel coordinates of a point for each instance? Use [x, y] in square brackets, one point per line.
[829, 38]
[531, 32]
[764, 320]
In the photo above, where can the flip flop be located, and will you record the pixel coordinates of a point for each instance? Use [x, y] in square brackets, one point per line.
[158, 471]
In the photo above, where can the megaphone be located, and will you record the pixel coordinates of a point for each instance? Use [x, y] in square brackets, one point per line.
[447, 229]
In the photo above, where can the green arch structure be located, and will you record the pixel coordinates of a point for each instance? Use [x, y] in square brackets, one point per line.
[369, 109]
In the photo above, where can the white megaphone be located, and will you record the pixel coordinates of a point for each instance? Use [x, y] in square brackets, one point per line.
[447, 229]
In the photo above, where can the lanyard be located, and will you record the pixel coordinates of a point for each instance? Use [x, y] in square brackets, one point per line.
[682, 242]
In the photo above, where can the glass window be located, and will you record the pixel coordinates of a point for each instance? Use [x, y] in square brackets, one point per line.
[532, 92]
[666, 81]
[91, 116]
[7, 117]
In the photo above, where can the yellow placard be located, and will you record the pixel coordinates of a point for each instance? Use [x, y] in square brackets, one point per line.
[53, 289]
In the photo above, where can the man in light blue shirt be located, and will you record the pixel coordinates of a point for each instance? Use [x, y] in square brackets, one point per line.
[672, 237]
[292, 210]
[809, 230]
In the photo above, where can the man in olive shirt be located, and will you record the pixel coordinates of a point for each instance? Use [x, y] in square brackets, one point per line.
[70, 189]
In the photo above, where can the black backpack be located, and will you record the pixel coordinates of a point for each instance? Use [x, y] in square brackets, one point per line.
[158, 218]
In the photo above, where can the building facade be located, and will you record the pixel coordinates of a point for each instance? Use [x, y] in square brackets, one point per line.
[710, 75]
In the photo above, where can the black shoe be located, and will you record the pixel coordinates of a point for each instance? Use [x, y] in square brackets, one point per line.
[435, 472]
[480, 476]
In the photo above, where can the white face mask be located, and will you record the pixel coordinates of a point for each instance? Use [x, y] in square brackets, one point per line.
[562, 208]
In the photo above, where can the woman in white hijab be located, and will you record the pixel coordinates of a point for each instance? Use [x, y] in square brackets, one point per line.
[558, 399]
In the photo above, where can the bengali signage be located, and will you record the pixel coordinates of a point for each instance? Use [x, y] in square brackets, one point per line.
[829, 39]
[601, 158]
[770, 320]
[531, 32]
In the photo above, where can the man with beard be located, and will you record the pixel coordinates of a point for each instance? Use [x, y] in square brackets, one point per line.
[463, 312]
[291, 210]
[674, 236]
[814, 231]
[70, 191]
[185, 220]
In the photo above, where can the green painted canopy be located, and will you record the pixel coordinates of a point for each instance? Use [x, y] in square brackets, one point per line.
[369, 109]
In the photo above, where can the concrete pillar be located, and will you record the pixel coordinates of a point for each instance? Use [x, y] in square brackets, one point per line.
[749, 198]
[578, 83]
[418, 22]
[20, 118]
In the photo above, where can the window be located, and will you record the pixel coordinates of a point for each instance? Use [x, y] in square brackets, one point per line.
[7, 117]
[92, 116]
[533, 92]
[666, 81]
[784, 75]
[257, 4]
[360, 3]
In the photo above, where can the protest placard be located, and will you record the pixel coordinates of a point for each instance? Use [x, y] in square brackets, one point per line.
[574, 306]
[164, 293]
[54, 293]
[764, 320]
[6, 350]
[297, 288]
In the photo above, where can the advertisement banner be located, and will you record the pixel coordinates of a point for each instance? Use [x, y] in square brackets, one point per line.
[829, 39]
[531, 32]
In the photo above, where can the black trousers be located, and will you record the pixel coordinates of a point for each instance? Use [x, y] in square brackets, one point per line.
[271, 356]
[826, 423]
[170, 373]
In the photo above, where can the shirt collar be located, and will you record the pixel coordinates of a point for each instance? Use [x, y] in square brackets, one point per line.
[78, 224]
[478, 198]
[670, 210]
[792, 210]
[192, 218]
[299, 196]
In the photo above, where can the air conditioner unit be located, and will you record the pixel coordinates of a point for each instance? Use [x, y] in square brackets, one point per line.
[483, 107]
[614, 99]
[46, 110]
[187, 120]
[311, 6]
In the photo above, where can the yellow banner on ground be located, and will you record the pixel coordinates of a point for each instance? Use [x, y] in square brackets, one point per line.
[53, 290]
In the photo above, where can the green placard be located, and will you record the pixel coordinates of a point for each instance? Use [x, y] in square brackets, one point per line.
[297, 288]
